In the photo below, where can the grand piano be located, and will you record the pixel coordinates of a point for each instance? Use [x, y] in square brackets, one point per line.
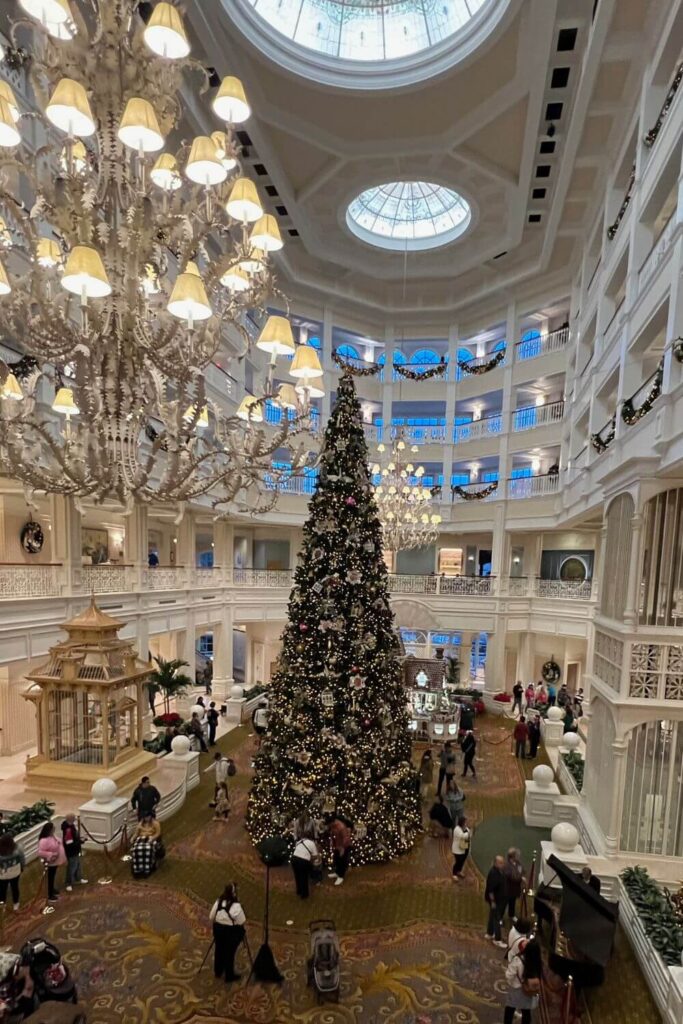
[582, 926]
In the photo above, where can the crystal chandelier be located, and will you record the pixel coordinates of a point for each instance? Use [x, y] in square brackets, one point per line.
[404, 503]
[128, 252]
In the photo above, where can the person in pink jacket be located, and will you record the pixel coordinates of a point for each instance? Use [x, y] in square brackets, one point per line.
[52, 852]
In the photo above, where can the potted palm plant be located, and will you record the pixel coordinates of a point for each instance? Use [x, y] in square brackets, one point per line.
[168, 680]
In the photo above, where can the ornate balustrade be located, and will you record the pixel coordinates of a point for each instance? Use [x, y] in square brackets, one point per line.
[164, 577]
[530, 348]
[209, 577]
[531, 416]
[569, 590]
[657, 253]
[400, 583]
[262, 578]
[487, 426]
[533, 486]
[469, 585]
[110, 578]
[19, 580]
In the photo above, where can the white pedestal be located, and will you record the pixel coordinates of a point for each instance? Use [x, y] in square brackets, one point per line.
[539, 804]
[574, 859]
[220, 690]
[104, 820]
[235, 706]
[552, 732]
[189, 763]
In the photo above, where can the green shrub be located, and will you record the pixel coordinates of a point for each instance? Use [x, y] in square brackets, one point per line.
[660, 918]
[575, 765]
[27, 817]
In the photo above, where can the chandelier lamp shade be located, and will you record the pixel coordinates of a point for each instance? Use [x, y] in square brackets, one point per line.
[287, 397]
[305, 365]
[129, 265]
[276, 337]
[404, 503]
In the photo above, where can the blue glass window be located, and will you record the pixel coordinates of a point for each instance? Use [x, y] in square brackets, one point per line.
[348, 352]
[521, 471]
[530, 345]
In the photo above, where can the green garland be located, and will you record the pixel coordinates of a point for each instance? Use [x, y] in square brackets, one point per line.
[437, 370]
[356, 371]
[630, 414]
[678, 350]
[480, 368]
[474, 495]
[600, 443]
[613, 228]
[651, 136]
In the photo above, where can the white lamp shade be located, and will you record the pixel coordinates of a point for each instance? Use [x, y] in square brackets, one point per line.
[165, 173]
[202, 419]
[47, 11]
[10, 390]
[188, 299]
[250, 409]
[230, 102]
[5, 235]
[244, 204]
[7, 94]
[236, 280]
[165, 33]
[64, 403]
[48, 253]
[220, 141]
[254, 262]
[5, 286]
[309, 390]
[139, 128]
[204, 165]
[276, 337]
[305, 363]
[287, 397]
[69, 109]
[84, 273]
[265, 234]
[9, 134]
[79, 158]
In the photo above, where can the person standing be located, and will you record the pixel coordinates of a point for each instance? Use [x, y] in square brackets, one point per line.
[228, 920]
[534, 730]
[305, 855]
[495, 895]
[197, 731]
[222, 810]
[563, 696]
[552, 695]
[520, 735]
[221, 768]
[342, 841]
[462, 840]
[517, 694]
[73, 847]
[568, 720]
[212, 721]
[454, 800]
[443, 762]
[469, 749]
[514, 880]
[426, 773]
[51, 852]
[12, 863]
[530, 696]
[524, 975]
[145, 799]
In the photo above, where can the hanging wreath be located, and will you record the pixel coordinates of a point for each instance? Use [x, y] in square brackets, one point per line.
[474, 495]
[600, 443]
[551, 671]
[437, 370]
[368, 370]
[630, 414]
[32, 537]
[466, 366]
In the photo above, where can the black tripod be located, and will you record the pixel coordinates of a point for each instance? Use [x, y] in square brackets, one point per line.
[273, 852]
[244, 942]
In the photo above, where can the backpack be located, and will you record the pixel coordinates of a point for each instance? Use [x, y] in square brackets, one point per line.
[232, 767]
[531, 986]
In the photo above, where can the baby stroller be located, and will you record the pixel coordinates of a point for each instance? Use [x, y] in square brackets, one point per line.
[50, 974]
[323, 963]
[143, 857]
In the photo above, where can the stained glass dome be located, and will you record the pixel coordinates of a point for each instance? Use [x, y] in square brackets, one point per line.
[369, 30]
[409, 215]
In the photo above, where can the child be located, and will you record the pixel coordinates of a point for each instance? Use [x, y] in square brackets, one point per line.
[222, 803]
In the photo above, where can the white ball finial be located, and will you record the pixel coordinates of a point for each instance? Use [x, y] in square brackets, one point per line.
[180, 745]
[555, 714]
[103, 790]
[564, 836]
[543, 775]
[236, 691]
[571, 740]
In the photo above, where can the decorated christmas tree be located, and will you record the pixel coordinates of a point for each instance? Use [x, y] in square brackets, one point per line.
[337, 740]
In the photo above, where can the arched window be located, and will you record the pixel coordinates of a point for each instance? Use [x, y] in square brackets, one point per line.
[530, 345]
[348, 352]
[464, 355]
[499, 346]
[425, 355]
[314, 342]
[399, 357]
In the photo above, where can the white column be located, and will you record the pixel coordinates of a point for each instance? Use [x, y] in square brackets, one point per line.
[525, 658]
[451, 394]
[631, 612]
[66, 538]
[328, 365]
[222, 656]
[495, 659]
[618, 780]
[224, 541]
[511, 332]
[136, 541]
[185, 548]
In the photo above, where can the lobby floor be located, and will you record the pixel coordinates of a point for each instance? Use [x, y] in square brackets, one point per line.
[412, 942]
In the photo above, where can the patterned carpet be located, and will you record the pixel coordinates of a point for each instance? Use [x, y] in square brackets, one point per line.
[412, 945]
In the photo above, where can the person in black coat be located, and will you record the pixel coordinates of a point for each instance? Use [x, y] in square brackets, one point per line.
[212, 719]
[534, 730]
[495, 895]
[469, 749]
[145, 799]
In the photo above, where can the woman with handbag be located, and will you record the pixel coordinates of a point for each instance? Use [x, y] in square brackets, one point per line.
[524, 975]
[305, 859]
[228, 920]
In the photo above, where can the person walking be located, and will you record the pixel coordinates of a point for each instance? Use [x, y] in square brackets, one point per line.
[534, 731]
[517, 694]
[221, 768]
[520, 735]
[259, 720]
[530, 696]
[514, 880]
[51, 852]
[568, 724]
[462, 840]
[454, 800]
[342, 841]
[212, 721]
[426, 773]
[12, 863]
[469, 749]
[73, 848]
[495, 894]
[305, 857]
[222, 809]
[228, 920]
[524, 975]
[145, 799]
[446, 757]
[197, 730]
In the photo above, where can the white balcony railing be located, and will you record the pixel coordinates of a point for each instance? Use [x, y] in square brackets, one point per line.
[209, 577]
[104, 579]
[487, 426]
[418, 434]
[474, 488]
[164, 577]
[531, 416]
[400, 583]
[468, 585]
[18, 580]
[533, 486]
[657, 253]
[530, 348]
[448, 586]
[262, 577]
[569, 590]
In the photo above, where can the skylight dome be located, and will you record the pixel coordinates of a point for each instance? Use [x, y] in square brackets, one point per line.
[408, 215]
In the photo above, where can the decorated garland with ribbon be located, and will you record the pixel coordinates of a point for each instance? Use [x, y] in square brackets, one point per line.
[496, 359]
[650, 138]
[437, 370]
[613, 228]
[630, 414]
[600, 443]
[551, 671]
[356, 371]
[474, 495]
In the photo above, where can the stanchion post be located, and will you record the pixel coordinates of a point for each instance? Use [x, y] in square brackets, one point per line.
[569, 998]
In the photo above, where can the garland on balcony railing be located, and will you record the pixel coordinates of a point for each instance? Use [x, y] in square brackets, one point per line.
[650, 138]
[495, 360]
[473, 495]
[613, 228]
[629, 413]
[602, 442]
[368, 370]
[437, 370]
[678, 350]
